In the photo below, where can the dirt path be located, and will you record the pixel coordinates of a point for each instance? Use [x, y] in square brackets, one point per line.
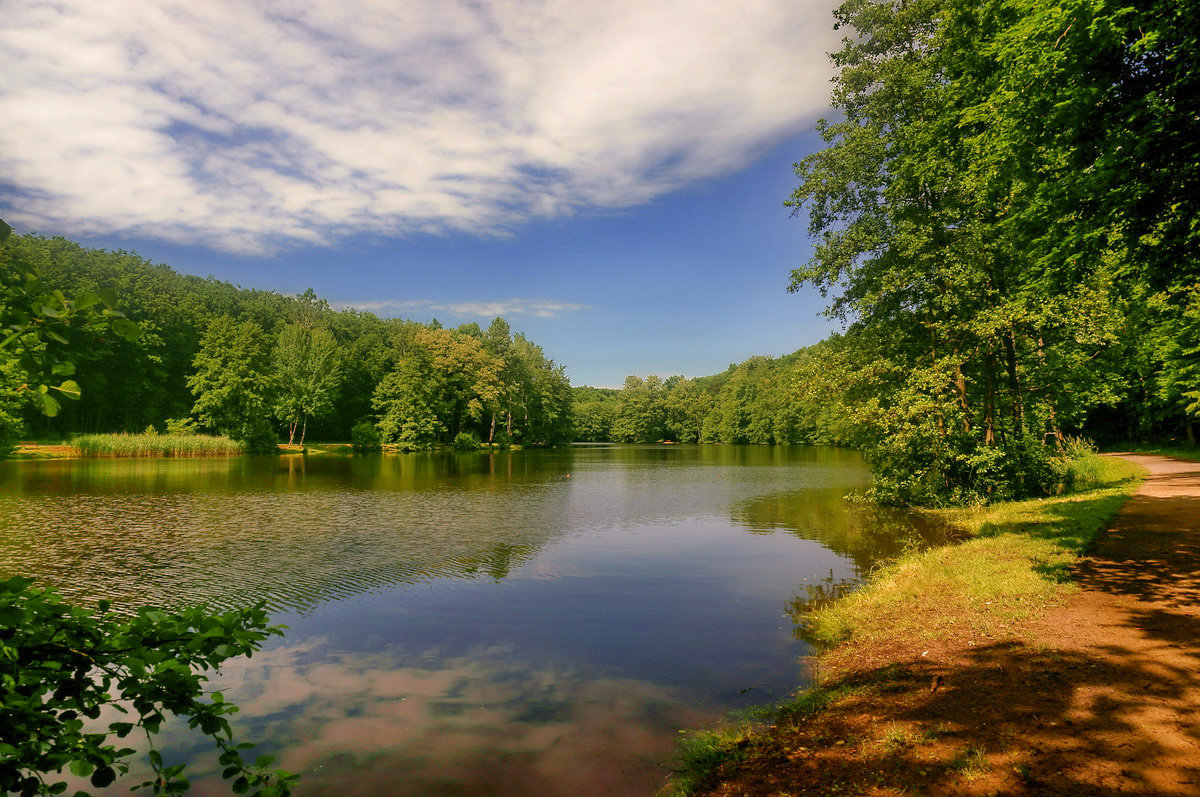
[1134, 715]
[1100, 697]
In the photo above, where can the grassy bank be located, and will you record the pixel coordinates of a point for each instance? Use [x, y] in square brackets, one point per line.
[1013, 563]
[155, 445]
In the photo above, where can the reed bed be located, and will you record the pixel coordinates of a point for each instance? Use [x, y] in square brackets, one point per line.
[155, 445]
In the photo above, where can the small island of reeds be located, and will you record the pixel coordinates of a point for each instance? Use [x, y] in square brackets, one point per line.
[155, 445]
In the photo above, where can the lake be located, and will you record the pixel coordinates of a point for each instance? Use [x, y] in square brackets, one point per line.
[509, 623]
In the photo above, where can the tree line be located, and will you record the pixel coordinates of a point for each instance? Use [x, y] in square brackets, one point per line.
[762, 401]
[260, 366]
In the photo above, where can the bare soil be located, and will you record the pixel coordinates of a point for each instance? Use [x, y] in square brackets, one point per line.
[1100, 696]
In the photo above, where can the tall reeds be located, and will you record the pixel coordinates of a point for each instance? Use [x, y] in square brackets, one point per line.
[155, 445]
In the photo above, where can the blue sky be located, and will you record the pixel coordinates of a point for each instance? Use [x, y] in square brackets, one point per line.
[609, 177]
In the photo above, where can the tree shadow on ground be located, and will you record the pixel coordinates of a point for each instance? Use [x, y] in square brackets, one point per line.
[1004, 718]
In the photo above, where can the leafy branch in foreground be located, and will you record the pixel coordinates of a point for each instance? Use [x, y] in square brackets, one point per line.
[33, 315]
[61, 665]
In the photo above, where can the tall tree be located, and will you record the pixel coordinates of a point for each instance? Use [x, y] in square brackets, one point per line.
[307, 374]
[232, 382]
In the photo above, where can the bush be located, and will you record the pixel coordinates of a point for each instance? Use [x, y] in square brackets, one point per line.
[364, 437]
[466, 441]
[259, 437]
[181, 426]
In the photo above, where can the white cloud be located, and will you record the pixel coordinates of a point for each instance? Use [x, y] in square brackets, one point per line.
[537, 308]
[247, 126]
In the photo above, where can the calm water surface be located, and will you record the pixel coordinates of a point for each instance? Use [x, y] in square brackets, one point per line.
[512, 623]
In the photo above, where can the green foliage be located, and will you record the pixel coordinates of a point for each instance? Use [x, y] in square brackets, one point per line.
[181, 427]
[313, 368]
[307, 375]
[761, 401]
[990, 226]
[60, 665]
[466, 441]
[37, 324]
[232, 383]
[593, 411]
[492, 384]
[364, 437]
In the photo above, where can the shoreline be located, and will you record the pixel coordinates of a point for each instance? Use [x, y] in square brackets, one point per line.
[905, 691]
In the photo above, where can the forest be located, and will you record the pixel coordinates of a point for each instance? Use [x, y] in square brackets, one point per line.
[257, 366]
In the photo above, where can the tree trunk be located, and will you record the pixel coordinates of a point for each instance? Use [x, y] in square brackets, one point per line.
[1191, 434]
[960, 387]
[989, 401]
[1014, 385]
[492, 430]
[292, 430]
[304, 431]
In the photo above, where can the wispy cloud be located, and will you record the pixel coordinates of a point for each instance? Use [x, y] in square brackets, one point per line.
[248, 126]
[537, 308]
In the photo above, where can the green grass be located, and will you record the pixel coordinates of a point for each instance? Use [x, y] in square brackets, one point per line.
[1177, 450]
[1014, 562]
[701, 754]
[155, 445]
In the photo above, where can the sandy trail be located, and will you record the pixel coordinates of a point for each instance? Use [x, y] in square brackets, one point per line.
[1136, 625]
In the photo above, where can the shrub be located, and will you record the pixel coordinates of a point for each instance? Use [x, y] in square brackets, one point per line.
[181, 426]
[466, 441]
[364, 437]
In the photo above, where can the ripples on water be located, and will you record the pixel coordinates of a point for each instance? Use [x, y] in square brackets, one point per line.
[457, 617]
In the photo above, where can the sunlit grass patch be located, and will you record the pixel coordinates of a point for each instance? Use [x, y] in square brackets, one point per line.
[1015, 563]
[155, 445]
[972, 763]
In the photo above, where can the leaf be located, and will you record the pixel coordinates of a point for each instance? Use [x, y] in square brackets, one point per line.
[5, 231]
[108, 296]
[81, 768]
[126, 329]
[64, 368]
[70, 389]
[103, 777]
[49, 407]
[86, 300]
[55, 335]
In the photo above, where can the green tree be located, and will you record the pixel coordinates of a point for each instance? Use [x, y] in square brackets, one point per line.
[641, 415]
[232, 382]
[443, 383]
[307, 375]
[972, 348]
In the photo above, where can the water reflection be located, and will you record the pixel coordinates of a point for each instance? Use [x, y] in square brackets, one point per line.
[487, 722]
[496, 623]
